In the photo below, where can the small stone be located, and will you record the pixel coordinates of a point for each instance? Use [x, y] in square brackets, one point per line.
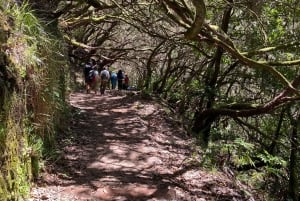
[44, 197]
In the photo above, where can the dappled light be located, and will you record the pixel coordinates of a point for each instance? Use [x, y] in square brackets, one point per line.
[149, 100]
[123, 148]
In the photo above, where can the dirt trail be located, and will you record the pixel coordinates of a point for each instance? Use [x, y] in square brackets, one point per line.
[123, 148]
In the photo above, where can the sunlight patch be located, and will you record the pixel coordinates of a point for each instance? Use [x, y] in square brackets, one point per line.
[87, 107]
[110, 179]
[109, 134]
[119, 110]
[103, 113]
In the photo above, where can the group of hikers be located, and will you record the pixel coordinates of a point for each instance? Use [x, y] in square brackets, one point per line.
[103, 80]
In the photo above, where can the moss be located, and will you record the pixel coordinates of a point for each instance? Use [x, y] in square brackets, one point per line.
[15, 169]
[32, 108]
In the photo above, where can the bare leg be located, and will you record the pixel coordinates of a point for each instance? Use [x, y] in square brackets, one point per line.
[87, 87]
[103, 87]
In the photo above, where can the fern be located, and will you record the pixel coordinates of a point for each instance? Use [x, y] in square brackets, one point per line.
[243, 144]
[272, 160]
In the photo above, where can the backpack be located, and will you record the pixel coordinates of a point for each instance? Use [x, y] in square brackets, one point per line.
[91, 75]
[103, 75]
[120, 75]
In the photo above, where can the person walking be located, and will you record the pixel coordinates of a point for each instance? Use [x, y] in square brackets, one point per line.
[120, 76]
[104, 76]
[126, 82]
[113, 79]
[88, 67]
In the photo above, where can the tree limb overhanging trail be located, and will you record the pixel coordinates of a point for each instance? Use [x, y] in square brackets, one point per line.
[221, 40]
[199, 29]
[229, 70]
[199, 18]
[124, 147]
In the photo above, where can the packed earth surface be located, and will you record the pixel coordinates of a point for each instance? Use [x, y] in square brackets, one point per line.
[121, 147]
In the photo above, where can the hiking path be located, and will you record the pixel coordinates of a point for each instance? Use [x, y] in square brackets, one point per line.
[124, 148]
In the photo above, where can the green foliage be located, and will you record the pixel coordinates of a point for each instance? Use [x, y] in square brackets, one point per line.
[32, 114]
[191, 77]
[220, 152]
[243, 151]
[2, 137]
[210, 157]
[29, 38]
[25, 21]
[36, 146]
[272, 160]
[15, 166]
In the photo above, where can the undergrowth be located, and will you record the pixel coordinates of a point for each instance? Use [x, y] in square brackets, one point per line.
[34, 107]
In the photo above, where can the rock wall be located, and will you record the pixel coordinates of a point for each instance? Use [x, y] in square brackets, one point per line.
[33, 82]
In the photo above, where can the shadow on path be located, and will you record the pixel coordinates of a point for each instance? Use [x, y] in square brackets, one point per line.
[119, 148]
[123, 148]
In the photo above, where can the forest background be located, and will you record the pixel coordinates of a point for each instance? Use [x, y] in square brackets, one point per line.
[228, 69]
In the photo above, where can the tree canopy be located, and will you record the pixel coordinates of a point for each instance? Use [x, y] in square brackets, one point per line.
[229, 69]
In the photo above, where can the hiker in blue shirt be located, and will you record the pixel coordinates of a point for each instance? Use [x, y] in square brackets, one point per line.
[113, 79]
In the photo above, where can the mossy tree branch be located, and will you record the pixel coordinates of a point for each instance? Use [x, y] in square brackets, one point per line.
[264, 50]
[79, 44]
[199, 18]
[82, 21]
[176, 13]
[222, 40]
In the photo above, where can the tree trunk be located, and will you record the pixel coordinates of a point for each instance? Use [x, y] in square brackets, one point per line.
[148, 71]
[272, 146]
[294, 157]
[202, 125]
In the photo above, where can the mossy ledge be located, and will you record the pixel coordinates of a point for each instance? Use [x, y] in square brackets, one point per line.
[32, 96]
